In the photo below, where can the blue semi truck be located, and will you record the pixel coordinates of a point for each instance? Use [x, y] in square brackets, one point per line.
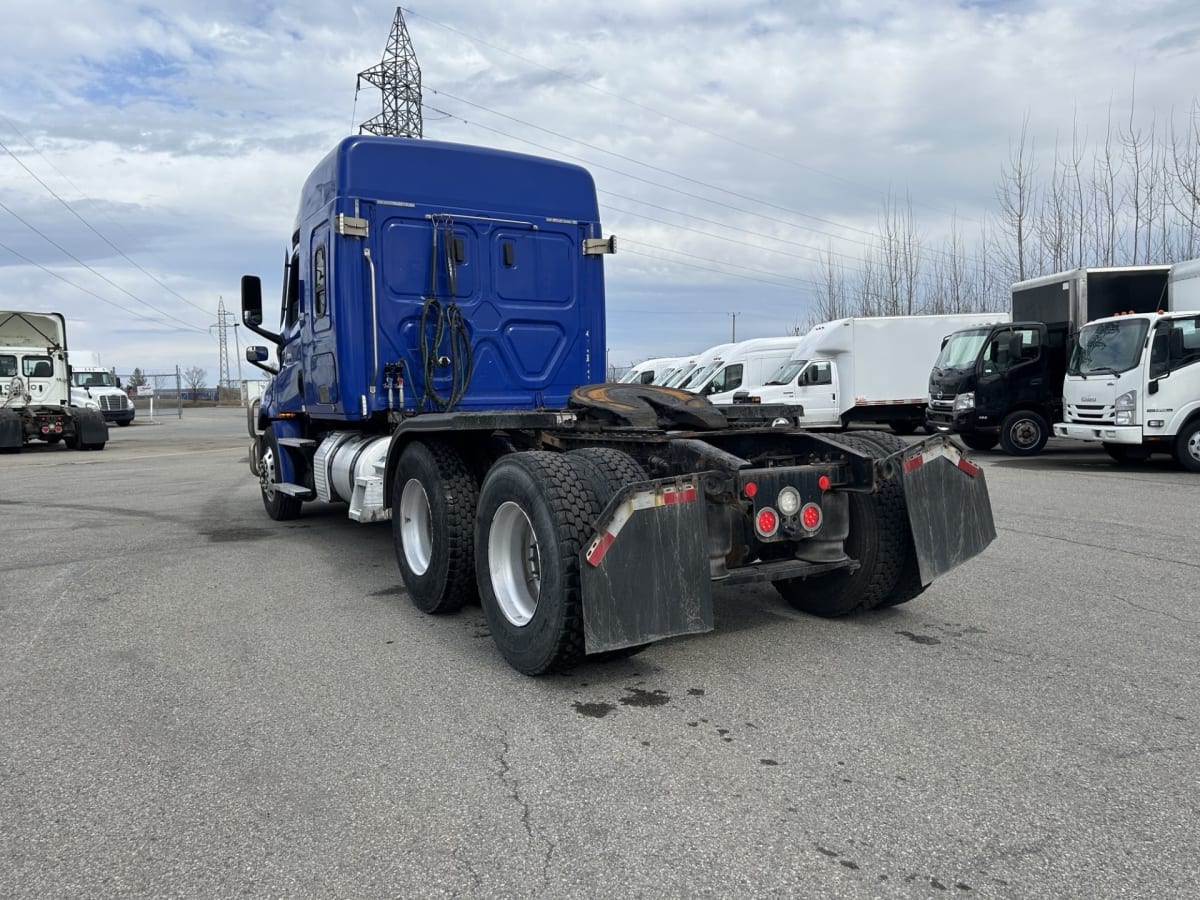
[440, 362]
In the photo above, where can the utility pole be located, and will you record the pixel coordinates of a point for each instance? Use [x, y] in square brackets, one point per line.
[733, 334]
[398, 78]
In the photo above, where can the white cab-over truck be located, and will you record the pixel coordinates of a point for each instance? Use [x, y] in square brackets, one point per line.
[1133, 381]
[34, 390]
[863, 369]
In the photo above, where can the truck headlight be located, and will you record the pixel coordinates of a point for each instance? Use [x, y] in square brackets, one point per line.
[1127, 408]
[964, 401]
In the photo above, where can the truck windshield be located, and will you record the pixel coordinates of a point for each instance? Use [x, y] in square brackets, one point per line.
[961, 350]
[93, 379]
[699, 376]
[1107, 348]
[788, 371]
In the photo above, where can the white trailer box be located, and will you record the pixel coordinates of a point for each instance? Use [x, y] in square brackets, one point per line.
[1183, 286]
[866, 369]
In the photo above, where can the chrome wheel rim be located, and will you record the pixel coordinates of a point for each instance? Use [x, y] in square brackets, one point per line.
[266, 473]
[514, 563]
[1193, 445]
[416, 527]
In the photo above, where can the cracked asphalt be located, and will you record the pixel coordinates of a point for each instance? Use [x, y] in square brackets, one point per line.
[196, 701]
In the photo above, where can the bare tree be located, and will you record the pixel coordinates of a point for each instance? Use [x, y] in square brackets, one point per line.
[1105, 171]
[1015, 194]
[194, 378]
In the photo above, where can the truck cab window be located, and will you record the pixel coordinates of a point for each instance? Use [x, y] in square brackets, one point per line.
[726, 380]
[818, 373]
[1184, 343]
[318, 276]
[38, 367]
[291, 297]
[8, 366]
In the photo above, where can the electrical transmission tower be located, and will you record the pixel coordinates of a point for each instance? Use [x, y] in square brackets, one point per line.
[223, 323]
[398, 78]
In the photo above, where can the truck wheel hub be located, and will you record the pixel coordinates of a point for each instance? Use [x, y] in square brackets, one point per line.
[515, 563]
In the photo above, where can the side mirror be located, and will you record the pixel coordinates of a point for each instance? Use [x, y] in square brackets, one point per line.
[252, 315]
[251, 300]
[119, 383]
[1152, 387]
[257, 356]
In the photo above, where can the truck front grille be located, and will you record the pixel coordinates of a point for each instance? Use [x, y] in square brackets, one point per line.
[942, 405]
[114, 402]
[1091, 414]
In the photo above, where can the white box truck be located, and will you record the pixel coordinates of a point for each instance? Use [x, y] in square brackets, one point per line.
[1133, 380]
[866, 369]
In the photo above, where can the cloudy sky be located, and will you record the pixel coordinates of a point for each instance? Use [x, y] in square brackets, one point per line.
[152, 153]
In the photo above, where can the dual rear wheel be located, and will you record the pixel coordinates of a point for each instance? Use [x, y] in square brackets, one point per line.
[512, 539]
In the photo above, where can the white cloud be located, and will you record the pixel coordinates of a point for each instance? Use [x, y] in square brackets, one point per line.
[186, 134]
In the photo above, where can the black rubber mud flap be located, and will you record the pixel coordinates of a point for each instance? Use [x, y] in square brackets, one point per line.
[11, 436]
[649, 406]
[645, 576]
[948, 506]
[90, 426]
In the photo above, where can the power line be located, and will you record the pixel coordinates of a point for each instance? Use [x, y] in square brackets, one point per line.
[73, 212]
[102, 277]
[658, 112]
[51, 272]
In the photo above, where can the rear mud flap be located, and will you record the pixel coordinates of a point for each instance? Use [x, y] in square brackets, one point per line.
[948, 506]
[645, 576]
[90, 427]
[12, 435]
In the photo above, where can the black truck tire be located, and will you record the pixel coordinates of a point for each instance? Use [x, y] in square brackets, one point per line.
[612, 470]
[1126, 454]
[879, 540]
[1187, 446]
[434, 496]
[536, 511]
[1024, 433]
[279, 506]
[979, 440]
[906, 426]
[908, 584]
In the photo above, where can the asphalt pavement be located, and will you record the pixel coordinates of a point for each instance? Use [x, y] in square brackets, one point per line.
[196, 701]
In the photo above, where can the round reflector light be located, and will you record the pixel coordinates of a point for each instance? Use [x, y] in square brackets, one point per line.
[823, 482]
[767, 522]
[751, 488]
[788, 501]
[810, 516]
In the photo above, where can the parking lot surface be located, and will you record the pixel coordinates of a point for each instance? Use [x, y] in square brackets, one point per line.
[197, 701]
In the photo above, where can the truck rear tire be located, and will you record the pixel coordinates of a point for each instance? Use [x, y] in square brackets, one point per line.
[1126, 454]
[880, 540]
[908, 585]
[279, 506]
[434, 497]
[906, 426]
[1187, 446]
[980, 440]
[536, 511]
[612, 471]
[1023, 433]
